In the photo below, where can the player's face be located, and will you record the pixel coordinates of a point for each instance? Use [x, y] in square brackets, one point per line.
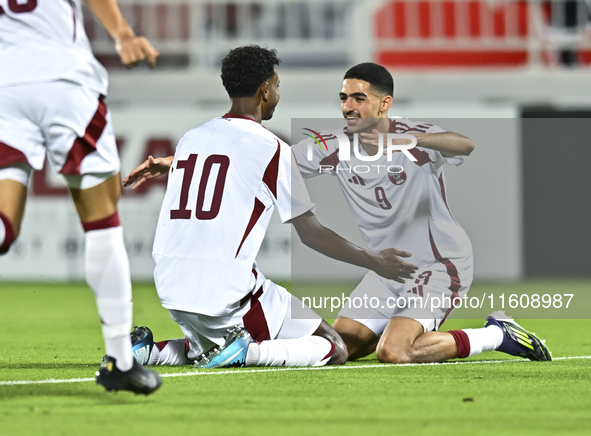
[361, 106]
[268, 107]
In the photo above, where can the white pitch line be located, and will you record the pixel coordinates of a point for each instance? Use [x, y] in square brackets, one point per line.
[307, 368]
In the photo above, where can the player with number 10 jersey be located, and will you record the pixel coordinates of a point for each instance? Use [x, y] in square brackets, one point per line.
[227, 177]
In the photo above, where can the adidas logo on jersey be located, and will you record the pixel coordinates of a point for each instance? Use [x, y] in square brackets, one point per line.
[356, 180]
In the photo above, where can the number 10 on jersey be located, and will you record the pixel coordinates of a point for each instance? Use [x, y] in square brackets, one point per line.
[188, 167]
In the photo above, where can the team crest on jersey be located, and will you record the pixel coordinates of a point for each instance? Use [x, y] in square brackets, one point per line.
[396, 174]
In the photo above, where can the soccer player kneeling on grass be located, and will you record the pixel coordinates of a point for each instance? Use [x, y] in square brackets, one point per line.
[406, 206]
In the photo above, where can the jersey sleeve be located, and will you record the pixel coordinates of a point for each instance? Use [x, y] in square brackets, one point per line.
[452, 160]
[435, 156]
[291, 197]
[307, 158]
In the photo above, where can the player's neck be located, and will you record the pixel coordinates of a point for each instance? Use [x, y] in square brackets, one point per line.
[383, 125]
[247, 107]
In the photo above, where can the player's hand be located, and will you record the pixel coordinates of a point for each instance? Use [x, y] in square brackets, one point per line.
[135, 49]
[391, 266]
[148, 170]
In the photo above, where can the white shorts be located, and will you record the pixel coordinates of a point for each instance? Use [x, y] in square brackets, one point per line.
[428, 298]
[266, 313]
[65, 121]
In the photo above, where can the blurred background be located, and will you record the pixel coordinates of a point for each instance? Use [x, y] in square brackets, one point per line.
[513, 75]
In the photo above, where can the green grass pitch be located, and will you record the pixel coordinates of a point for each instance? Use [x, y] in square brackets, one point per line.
[51, 331]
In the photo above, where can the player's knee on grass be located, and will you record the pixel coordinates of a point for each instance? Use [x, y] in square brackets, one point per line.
[396, 343]
[393, 354]
[340, 355]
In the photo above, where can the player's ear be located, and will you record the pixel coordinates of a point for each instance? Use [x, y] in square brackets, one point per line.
[385, 103]
[264, 90]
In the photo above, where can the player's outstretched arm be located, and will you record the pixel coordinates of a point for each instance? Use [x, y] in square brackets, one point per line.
[447, 143]
[386, 263]
[132, 49]
[150, 169]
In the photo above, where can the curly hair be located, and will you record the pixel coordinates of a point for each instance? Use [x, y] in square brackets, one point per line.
[245, 68]
[377, 76]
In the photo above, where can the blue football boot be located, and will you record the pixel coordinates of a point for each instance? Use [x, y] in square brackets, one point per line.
[517, 341]
[142, 342]
[232, 354]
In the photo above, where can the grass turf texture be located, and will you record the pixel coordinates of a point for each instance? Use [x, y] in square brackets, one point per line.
[52, 331]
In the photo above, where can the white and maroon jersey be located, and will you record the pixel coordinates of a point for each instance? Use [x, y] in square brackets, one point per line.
[44, 41]
[225, 180]
[406, 210]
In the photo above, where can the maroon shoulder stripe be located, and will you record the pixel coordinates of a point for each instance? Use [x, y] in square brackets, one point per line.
[331, 159]
[86, 144]
[415, 129]
[422, 157]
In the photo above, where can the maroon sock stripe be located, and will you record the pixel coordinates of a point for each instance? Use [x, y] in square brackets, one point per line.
[106, 223]
[462, 342]
[9, 235]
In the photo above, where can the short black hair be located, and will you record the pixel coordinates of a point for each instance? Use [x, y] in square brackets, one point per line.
[245, 68]
[376, 75]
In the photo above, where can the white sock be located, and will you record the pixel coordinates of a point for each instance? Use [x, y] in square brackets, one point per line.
[107, 273]
[308, 351]
[171, 352]
[484, 339]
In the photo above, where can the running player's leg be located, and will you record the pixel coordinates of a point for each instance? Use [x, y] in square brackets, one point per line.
[107, 265]
[81, 146]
